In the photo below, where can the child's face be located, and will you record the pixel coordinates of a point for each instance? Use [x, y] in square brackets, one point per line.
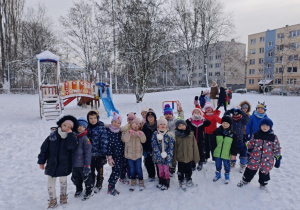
[197, 112]
[66, 127]
[150, 119]
[143, 114]
[225, 125]
[93, 119]
[208, 110]
[182, 127]
[135, 126]
[168, 116]
[244, 110]
[265, 128]
[162, 127]
[260, 110]
[116, 123]
[81, 129]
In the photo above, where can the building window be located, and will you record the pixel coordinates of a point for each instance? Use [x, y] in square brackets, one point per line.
[218, 56]
[261, 61]
[293, 45]
[262, 39]
[252, 61]
[280, 47]
[217, 65]
[251, 81]
[200, 67]
[210, 66]
[209, 73]
[270, 54]
[269, 65]
[294, 33]
[278, 70]
[292, 69]
[217, 73]
[278, 59]
[270, 43]
[291, 81]
[200, 82]
[280, 35]
[211, 57]
[252, 51]
[252, 41]
[268, 76]
[277, 81]
[261, 50]
[292, 57]
[251, 71]
[200, 74]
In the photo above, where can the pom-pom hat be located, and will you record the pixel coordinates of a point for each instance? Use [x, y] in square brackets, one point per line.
[168, 109]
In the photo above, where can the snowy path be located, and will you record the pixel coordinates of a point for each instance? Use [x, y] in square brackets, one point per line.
[23, 184]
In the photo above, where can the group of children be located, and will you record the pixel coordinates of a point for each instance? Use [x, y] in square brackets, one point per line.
[83, 146]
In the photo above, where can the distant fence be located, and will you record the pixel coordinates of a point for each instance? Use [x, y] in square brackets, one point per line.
[19, 91]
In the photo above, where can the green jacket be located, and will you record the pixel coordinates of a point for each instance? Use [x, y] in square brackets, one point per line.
[224, 145]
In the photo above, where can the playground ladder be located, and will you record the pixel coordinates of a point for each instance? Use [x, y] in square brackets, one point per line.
[50, 103]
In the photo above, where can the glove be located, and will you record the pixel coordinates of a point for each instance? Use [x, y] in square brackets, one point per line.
[278, 160]
[238, 111]
[103, 160]
[86, 171]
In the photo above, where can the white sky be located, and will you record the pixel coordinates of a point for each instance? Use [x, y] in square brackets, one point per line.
[250, 16]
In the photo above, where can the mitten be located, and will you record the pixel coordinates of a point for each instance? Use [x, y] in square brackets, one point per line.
[131, 132]
[103, 160]
[86, 171]
[239, 111]
[140, 133]
[278, 160]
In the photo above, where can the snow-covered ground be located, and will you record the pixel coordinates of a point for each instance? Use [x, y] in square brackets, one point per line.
[24, 186]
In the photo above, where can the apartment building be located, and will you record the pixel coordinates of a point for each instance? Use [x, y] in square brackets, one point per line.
[273, 59]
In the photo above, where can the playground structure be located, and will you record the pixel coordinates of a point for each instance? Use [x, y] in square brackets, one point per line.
[54, 97]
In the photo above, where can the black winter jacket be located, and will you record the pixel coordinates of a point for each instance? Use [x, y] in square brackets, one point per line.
[147, 146]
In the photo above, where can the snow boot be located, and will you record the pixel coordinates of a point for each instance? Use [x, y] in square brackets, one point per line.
[217, 177]
[133, 183]
[88, 193]
[78, 192]
[200, 166]
[112, 191]
[190, 183]
[64, 199]
[163, 186]
[160, 183]
[98, 186]
[166, 184]
[263, 187]
[242, 183]
[124, 181]
[142, 186]
[227, 179]
[182, 185]
[52, 203]
[242, 168]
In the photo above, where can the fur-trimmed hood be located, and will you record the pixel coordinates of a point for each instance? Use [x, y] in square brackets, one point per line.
[246, 102]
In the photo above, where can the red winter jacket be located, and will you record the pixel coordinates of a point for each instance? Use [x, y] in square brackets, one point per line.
[214, 119]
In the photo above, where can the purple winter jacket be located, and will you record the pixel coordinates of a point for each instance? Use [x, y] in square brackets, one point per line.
[83, 152]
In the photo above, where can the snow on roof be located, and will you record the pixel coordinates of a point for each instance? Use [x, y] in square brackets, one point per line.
[265, 82]
[47, 55]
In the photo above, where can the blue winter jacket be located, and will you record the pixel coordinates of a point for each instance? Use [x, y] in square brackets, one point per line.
[115, 146]
[83, 152]
[57, 154]
[239, 126]
[169, 148]
[253, 124]
[98, 137]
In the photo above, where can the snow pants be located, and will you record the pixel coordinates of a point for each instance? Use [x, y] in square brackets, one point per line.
[119, 169]
[97, 165]
[243, 153]
[163, 171]
[184, 171]
[78, 177]
[52, 184]
[263, 178]
[150, 166]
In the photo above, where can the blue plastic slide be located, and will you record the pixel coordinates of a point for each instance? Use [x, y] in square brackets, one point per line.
[106, 100]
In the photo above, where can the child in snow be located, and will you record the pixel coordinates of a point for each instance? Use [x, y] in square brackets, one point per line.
[98, 137]
[255, 118]
[148, 129]
[197, 123]
[225, 146]
[163, 146]
[196, 102]
[213, 116]
[133, 140]
[143, 113]
[266, 146]
[245, 107]
[207, 96]
[185, 152]
[81, 162]
[240, 120]
[202, 99]
[115, 154]
[56, 153]
[131, 116]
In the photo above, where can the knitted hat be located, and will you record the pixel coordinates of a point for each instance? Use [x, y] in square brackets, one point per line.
[208, 105]
[162, 121]
[227, 118]
[150, 113]
[201, 113]
[145, 110]
[93, 112]
[178, 122]
[168, 109]
[131, 116]
[262, 105]
[70, 119]
[137, 121]
[82, 121]
[266, 121]
[116, 117]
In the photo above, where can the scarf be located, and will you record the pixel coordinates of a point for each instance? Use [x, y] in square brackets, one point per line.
[162, 141]
[237, 118]
[197, 117]
[82, 134]
[183, 133]
[256, 114]
[226, 132]
[62, 134]
[114, 130]
[209, 114]
[152, 127]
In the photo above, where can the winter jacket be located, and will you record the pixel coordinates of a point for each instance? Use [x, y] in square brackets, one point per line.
[239, 126]
[224, 144]
[83, 152]
[157, 149]
[214, 119]
[202, 100]
[186, 149]
[214, 91]
[198, 128]
[248, 110]
[265, 146]
[147, 147]
[98, 137]
[57, 154]
[115, 146]
[222, 96]
[253, 124]
[133, 145]
[172, 121]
